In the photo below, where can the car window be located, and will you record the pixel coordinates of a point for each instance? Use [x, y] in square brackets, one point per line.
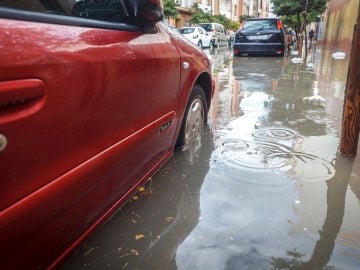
[106, 10]
[187, 30]
[260, 25]
[206, 26]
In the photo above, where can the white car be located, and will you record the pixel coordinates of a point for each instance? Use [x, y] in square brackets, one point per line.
[196, 35]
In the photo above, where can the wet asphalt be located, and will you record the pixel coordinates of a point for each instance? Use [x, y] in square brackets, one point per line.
[263, 187]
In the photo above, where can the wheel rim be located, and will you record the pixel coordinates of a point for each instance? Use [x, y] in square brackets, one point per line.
[194, 119]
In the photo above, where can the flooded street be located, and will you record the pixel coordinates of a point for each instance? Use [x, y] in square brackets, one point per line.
[263, 187]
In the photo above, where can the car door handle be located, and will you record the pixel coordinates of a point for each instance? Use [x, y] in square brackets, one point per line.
[20, 98]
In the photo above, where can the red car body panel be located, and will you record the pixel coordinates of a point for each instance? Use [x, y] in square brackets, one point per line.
[83, 111]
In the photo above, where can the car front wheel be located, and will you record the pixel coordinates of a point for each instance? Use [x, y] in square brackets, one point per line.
[195, 116]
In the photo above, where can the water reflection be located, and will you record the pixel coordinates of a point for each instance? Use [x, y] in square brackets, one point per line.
[276, 195]
[265, 189]
[146, 232]
[324, 247]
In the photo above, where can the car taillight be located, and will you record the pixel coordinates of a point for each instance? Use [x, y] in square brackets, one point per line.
[279, 24]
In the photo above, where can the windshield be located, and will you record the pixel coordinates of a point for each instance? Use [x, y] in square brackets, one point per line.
[260, 25]
[206, 26]
[187, 30]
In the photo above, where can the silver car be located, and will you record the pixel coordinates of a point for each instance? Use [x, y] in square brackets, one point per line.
[196, 35]
[217, 32]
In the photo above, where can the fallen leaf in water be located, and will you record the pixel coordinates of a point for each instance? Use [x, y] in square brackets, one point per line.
[141, 189]
[134, 252]
[139, 236]
[169, 219]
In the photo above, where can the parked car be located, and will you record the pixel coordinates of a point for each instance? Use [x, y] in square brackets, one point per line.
[94, 96]
[217, 33]
[196, 35]
[262, 36]
[172, 28]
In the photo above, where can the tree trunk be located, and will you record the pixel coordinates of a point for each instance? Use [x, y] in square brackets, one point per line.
[351, 113]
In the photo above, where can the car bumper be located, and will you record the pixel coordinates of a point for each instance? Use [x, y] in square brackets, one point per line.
[257, 48]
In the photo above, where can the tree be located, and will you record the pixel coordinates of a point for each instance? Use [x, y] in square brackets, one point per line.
[170, 9]
[200, 16]
[298, 13]
[244, 17]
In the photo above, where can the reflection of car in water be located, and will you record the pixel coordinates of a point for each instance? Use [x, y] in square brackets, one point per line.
[164, 217]
[257, 73]
[218, 56]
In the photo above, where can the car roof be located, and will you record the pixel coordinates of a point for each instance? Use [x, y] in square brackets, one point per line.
[262, 19]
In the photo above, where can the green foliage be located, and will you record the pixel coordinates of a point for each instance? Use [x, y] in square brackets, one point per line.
[244, 17]
[290, 21]
[234, 25]
[170, 8]
[200, 16]
[311, 8]
[223, 20]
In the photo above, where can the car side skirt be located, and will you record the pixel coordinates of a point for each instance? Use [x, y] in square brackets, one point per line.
[80, 201]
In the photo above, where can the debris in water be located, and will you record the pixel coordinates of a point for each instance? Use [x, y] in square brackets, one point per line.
[139, 236]
[169, 219]
[339, 55]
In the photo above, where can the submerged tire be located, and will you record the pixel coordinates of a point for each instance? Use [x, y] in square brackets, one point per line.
[195, 116]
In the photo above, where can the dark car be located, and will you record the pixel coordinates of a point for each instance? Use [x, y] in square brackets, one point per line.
[94, 96]
[263, 36]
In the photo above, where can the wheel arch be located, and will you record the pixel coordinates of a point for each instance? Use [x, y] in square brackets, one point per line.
[204, 80]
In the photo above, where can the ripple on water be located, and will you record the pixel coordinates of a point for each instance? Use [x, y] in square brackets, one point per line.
[268, 152]
[275, 134]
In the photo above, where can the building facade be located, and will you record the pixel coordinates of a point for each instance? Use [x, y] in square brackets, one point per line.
[231, 9]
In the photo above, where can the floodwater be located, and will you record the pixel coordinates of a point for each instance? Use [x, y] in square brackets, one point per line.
[263, 187]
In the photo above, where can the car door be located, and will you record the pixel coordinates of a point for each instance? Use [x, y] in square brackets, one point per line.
[87, 110]
[204, 37]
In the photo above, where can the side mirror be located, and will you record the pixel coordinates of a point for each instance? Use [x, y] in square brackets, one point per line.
[146, 13]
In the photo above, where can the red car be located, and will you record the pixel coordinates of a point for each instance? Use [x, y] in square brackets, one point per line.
[94, 96]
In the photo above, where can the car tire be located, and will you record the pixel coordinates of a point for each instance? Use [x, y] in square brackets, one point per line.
[200, 44]
[214, 44]
[195, 116]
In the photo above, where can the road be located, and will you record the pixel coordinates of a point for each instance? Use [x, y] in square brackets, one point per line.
[262, 188]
